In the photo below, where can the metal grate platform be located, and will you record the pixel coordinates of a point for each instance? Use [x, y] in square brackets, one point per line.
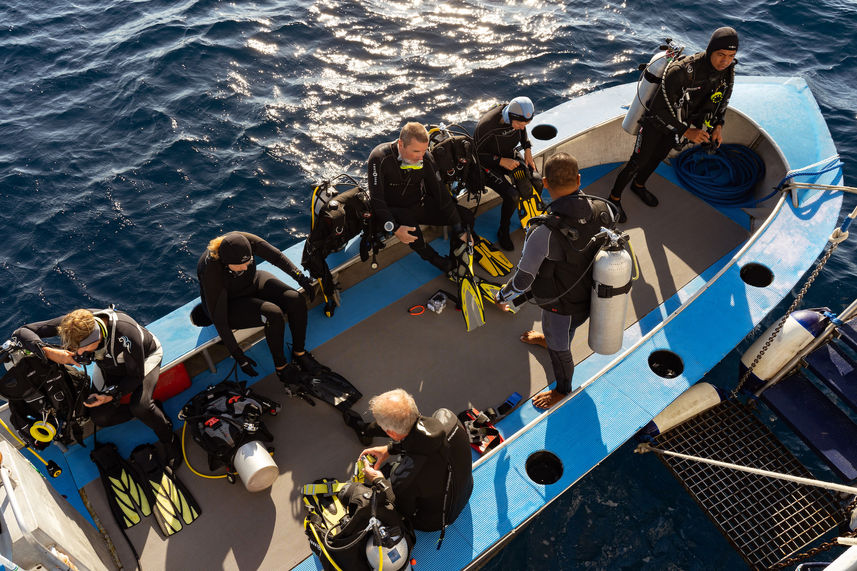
[765, 520]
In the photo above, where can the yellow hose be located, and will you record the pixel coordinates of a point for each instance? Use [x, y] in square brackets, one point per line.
[187, 462]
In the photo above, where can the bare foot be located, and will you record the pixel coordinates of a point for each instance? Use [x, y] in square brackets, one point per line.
[534, 338]
[547, 399]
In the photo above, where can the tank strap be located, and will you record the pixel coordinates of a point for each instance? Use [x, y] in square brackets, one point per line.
[604, 290]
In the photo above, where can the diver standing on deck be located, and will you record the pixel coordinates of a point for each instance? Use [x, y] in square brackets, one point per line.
[555, 268]
[498, 134]
[235, 295]
[127, 359]
[405, 190]
[689, 105]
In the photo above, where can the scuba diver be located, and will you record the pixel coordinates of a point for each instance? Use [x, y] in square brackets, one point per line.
[689, 105]
[405, 190]
[555, 268]
[431, 474]
[498, 134]
[235, 295]
[127, 360]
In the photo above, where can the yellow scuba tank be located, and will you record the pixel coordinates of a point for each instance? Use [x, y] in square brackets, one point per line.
[648, 85]
[611, 287]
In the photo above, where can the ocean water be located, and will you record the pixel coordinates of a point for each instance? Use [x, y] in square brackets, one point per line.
[134, 131]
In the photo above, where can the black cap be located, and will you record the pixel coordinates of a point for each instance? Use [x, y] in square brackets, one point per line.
[234, 249]
[722, 39]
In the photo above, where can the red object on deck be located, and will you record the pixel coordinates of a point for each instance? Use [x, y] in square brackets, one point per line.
[171, 382]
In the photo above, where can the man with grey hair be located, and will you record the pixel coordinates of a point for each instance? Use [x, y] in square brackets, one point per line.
[431, 470]
[405, 190]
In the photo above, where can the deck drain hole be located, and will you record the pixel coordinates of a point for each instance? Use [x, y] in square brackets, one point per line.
[666, 364]
[544, 132]
[757, 275]
[544, 467]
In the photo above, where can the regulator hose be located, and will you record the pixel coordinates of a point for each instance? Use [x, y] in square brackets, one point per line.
[722, 177]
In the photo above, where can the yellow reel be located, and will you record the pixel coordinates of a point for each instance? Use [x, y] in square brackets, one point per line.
[43, 431]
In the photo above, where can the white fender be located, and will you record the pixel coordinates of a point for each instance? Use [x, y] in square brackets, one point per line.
[611, 275]
[798, 331]
[650, 82]
[698, 398]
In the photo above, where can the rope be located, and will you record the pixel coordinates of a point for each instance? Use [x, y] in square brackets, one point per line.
[646, 447]
[722, 177]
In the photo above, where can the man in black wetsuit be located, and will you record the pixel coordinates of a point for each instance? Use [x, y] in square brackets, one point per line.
[431, 473]
[555, 268]
[235, 295]
[690, 105]
[127, 361]
[405, 189]
[498, 134]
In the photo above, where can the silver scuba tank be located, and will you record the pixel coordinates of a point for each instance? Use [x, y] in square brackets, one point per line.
[395, 558]
[611, 287]
[648, 85]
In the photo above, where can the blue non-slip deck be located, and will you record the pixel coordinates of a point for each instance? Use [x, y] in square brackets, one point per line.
[585, 429]
[582, 431]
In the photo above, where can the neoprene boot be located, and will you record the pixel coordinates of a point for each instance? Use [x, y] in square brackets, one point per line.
[647, 197]
[307, 363]
[504, 240]
[356, 422]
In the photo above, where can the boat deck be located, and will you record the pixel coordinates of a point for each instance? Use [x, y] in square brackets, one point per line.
[432, 357]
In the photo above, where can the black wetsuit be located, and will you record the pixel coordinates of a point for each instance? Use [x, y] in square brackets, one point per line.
[410, 197]
[497, 140]
[686, 100]
[419, 475]
[558, 272]
[129, 358]
[253, 298]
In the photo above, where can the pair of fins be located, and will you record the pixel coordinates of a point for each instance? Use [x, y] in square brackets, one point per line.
[530, 202]
[469, 296]
[142, 487]
[326, 386]
[490, 257]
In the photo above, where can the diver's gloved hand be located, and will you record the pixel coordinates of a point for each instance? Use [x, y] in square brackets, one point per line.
[247, 364]
[306, 283]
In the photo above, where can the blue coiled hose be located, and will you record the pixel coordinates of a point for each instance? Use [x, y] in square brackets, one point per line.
[723, 177]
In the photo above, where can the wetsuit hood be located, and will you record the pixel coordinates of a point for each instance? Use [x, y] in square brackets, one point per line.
[725, 38]
[234, 249]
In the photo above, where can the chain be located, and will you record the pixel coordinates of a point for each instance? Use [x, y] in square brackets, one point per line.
[798, 299]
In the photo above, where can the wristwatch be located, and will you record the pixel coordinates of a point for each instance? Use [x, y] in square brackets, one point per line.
[389, 225]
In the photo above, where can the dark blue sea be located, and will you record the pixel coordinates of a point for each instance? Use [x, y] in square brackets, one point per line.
[133, 131]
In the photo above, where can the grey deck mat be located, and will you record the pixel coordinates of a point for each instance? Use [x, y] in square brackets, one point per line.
[432, 357]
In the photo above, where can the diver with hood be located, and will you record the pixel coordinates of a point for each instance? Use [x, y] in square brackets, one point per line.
[127, 359]
[498, 135]
[689, 106]
[235, 295]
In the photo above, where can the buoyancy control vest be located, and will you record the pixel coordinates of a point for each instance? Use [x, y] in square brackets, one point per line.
[563, 286]
[224, 417]
[454, 154]
[341, 210]
[43, 394]
[436, 494]
[338, 524]
[703, 97]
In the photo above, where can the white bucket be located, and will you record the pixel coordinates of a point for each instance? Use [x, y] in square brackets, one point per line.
[255, 466]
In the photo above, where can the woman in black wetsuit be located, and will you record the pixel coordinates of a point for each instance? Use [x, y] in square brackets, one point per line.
[236, 295]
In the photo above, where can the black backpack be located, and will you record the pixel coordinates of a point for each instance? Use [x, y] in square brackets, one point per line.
[340, 211]
[454, 153]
